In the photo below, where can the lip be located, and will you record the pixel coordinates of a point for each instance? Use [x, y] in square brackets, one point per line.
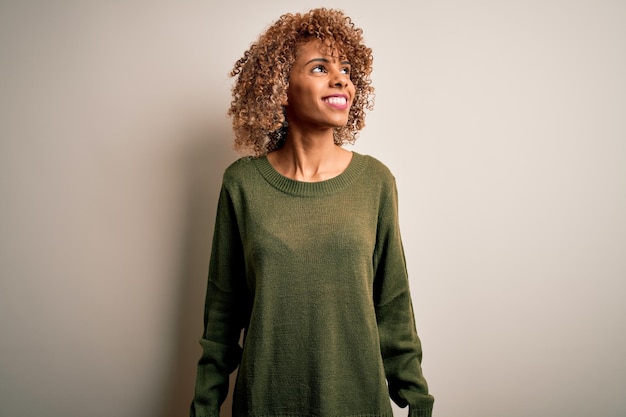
[336, 103]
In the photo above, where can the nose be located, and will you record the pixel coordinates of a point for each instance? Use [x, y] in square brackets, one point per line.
[339, 79]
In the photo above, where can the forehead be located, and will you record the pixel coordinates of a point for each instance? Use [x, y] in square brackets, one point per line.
[319, 47]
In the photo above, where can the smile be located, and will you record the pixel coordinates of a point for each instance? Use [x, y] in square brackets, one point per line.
[340, 102]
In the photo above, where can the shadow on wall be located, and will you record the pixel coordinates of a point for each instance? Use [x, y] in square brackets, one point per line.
[205, 160]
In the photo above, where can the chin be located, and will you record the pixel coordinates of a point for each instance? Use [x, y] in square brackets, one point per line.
[340, 123]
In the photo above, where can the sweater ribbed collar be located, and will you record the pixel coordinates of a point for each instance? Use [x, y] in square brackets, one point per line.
[312, 189]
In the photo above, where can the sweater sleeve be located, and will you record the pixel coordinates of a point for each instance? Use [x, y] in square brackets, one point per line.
[400, 345]
[224, 313]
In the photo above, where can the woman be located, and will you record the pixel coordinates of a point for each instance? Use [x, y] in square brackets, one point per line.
[307, 257]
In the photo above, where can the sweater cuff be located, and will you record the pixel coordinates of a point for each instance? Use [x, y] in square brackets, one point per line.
[421, 412]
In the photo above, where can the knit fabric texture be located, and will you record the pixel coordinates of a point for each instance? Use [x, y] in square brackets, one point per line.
[315, 275]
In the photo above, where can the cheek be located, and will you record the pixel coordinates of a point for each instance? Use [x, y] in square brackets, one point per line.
[352, 88]
[292, 94]
[294, 90]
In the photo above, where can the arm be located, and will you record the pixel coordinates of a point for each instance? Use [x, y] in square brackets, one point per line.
[224, 313]
[399, 342]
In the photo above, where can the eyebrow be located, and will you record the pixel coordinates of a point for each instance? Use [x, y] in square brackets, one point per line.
[326, 61]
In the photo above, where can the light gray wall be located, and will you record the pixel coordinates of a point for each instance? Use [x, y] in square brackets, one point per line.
[503, 121]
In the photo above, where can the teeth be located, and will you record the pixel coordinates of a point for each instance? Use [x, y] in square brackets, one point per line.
[336, 100]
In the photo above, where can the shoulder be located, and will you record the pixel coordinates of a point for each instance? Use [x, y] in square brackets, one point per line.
[376, 170]
[379, 181]
[240, 170]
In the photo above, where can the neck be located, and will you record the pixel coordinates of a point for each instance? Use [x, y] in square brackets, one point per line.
[311, 157]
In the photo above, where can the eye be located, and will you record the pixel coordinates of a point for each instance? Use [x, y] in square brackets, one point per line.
[318, 69]
[346, 70]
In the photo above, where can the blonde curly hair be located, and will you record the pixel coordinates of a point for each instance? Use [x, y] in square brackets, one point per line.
[257, 112]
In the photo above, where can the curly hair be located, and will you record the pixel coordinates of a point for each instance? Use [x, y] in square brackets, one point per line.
[257, 112]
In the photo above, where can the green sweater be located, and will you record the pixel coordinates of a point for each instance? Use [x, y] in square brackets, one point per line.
[315, 274]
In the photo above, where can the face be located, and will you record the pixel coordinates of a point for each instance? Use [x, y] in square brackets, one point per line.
[320, 91]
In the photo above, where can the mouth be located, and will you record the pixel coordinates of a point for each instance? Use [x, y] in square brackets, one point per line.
[337, 101]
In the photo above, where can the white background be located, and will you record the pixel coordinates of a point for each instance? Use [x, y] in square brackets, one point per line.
[503, 121]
